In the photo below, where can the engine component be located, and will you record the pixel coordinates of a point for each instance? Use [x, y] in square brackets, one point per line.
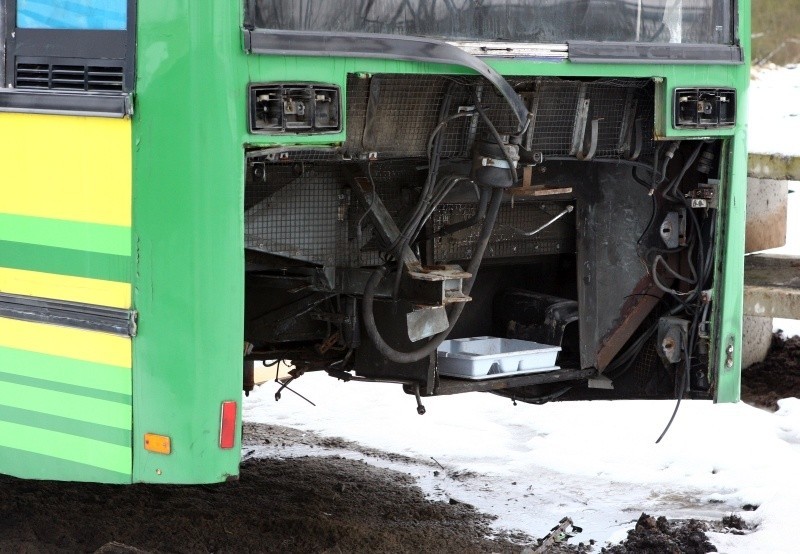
[494, 165]
[673, 229]
[672, 339]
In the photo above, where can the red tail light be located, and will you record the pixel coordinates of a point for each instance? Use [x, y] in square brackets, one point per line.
[227, 428]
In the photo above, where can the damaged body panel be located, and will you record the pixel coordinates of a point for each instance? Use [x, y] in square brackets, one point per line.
[561, 198]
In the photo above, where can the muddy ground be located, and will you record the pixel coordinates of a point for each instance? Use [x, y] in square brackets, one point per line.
[293, 504]
[308, 504]
[763, 384]
[316, 504]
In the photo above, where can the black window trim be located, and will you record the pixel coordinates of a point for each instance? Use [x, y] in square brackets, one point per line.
[382, 46]
[106, 45]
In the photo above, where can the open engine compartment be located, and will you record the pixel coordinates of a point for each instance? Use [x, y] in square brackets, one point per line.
[443, 217]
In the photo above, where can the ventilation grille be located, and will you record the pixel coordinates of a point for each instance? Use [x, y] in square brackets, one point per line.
[394, 115]
[507, 239]
[305, 211]
[77, 77]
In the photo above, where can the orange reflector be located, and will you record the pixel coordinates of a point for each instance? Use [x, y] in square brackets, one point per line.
[227, 428]
[157, 443]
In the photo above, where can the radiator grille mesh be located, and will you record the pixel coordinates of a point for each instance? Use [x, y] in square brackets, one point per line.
[298, 202]
[506, 241]
[299, 213]
[394, 115]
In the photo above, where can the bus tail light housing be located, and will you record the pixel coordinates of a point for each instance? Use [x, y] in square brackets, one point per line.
[704, 108]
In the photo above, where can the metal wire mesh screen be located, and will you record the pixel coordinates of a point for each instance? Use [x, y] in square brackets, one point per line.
[508, 239]
[305, 210]
[299, 204]
[394, 115]
[299, 211]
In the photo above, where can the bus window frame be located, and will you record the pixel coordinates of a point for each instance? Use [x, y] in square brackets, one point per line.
[302, 43]
[88, 44]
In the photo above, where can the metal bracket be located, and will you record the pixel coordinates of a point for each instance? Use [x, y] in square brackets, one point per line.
[673, 334]
[673, 229]
[593, 138]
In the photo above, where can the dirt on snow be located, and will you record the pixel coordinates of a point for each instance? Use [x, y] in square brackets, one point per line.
[306, 504]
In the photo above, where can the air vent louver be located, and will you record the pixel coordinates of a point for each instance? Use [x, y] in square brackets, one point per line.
[91, 78]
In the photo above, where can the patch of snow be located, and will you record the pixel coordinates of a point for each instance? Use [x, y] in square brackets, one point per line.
[596, 462]
[774, 118]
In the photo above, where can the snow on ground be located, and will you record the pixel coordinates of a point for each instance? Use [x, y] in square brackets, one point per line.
[774, 111]
[596, 462]
[773, 127]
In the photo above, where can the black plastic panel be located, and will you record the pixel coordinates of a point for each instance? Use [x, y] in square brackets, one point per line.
[301, 108]
[102, 60]
[631, 52]
[68, 314]
[704, 108]
[59, 102]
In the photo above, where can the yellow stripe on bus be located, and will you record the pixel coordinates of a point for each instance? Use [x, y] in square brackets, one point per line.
[66, 167]
[78, 344]
[65, 287]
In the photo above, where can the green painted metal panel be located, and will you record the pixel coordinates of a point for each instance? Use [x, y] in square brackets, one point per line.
[30, 465]
[69, 426]
[729, 271]
[64, 446]
[86, 375]
[188, 170]
[57, 386]
[63, 261]
[72, 235]
[69, 417]
[64, 404]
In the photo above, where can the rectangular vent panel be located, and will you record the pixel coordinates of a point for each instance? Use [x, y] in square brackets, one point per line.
[77, 77]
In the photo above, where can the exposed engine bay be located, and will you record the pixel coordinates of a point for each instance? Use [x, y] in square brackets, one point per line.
[446, 217]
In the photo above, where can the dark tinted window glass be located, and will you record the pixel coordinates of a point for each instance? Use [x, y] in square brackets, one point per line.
[541, 21]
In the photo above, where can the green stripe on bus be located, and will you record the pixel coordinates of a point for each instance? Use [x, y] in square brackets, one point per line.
[64, 261]
[62, 404]
[102, 433]
[111, 457]
[65, 387]
[66, 370]
[28, 465]
[72, 235]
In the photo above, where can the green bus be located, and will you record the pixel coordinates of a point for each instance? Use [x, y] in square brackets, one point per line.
[542, 199]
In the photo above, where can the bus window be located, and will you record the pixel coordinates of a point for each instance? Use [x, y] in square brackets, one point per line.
[540, 21]
[108, 15]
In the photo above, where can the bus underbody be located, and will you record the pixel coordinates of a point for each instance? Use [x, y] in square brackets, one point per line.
[441, 218]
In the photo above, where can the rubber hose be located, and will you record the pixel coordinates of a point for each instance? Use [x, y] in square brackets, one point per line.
[377, 276]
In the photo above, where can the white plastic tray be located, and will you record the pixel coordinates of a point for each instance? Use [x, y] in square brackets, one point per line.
[492, 357]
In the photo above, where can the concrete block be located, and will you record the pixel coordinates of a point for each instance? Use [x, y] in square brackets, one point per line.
[756, 339]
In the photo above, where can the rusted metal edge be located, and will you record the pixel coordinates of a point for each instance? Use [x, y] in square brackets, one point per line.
[450, 385]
